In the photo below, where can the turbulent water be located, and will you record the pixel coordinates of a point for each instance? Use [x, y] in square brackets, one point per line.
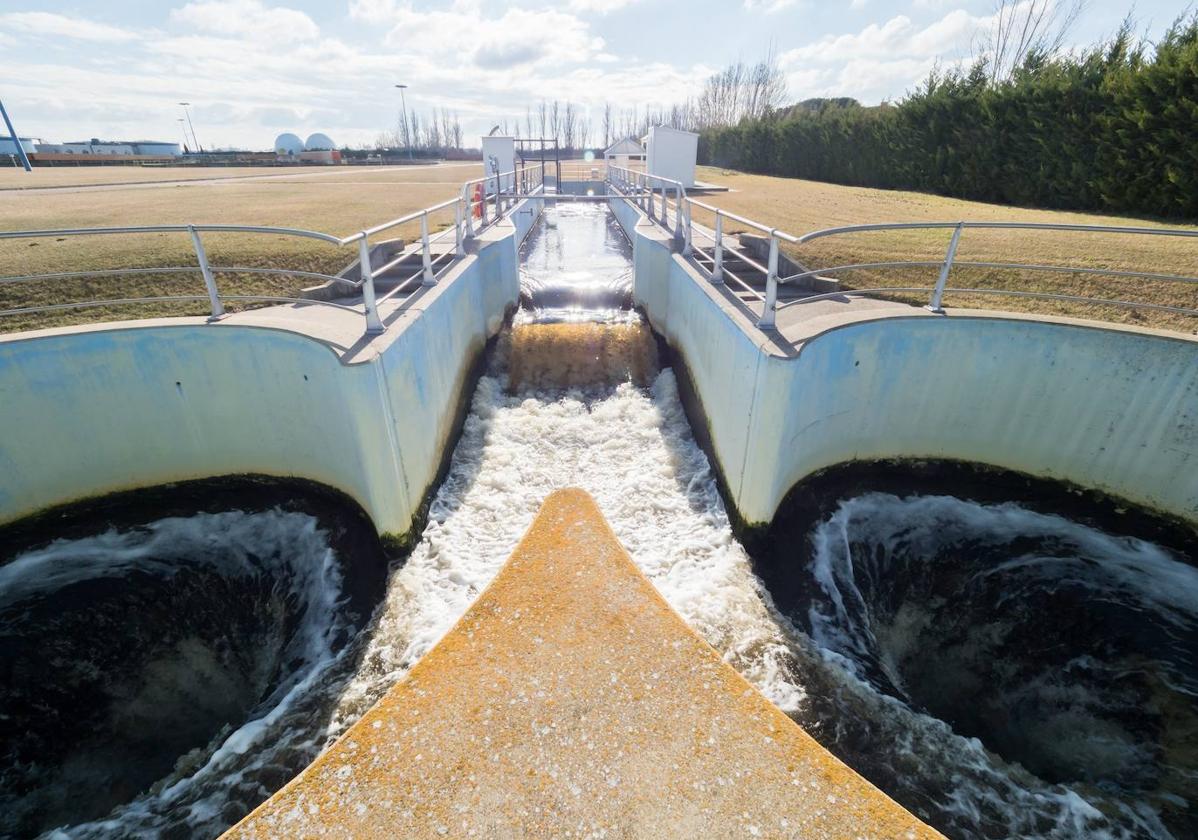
[163, 679]
[999, 671]
[1003, 672]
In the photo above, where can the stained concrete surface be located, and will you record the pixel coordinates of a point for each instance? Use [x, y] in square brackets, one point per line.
[571, 701]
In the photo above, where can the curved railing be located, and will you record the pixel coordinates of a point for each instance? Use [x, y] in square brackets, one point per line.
[484, 199]
[645, 190]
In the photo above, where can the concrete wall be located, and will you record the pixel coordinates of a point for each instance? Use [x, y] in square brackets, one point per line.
[1107, 408]
[91, 411]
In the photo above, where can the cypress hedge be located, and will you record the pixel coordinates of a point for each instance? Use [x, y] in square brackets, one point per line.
[1114, 129]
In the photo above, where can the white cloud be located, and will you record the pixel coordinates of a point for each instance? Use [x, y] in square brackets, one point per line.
[769, 7]
[247, 18]
[601, 7]
[898, 37]
[519, 37]
[62, 26]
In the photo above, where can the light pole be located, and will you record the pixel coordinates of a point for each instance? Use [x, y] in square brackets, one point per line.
[183, 128]
[407, 137]
[193, 128]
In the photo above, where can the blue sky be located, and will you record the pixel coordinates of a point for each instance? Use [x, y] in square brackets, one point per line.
[255, 68]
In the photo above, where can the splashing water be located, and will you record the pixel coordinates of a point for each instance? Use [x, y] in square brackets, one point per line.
[1004, 672]
[166, 678]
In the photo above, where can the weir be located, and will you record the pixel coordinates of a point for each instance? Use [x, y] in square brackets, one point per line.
[795, 589]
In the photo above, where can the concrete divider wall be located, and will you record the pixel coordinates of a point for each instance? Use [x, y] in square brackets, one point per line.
[1107, 408]
[96, 410]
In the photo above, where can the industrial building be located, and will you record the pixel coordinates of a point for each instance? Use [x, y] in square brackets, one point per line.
[95, 146]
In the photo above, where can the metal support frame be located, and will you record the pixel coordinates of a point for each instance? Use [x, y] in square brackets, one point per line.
[945, 270]
[16, 140]
[218, 309]
[374, 324]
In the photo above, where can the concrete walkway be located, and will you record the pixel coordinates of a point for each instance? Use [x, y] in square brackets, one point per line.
[571, 701]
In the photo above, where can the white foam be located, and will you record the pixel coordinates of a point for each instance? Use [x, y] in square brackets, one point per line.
[634, 452]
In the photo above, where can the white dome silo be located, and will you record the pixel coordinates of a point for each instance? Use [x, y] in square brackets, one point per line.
[288, 144]
[319, 143]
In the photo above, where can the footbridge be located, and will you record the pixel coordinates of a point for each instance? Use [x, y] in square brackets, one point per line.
[588, 684]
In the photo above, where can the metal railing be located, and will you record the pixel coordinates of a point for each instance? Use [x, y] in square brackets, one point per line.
[483, 199]
[650, 192]
[950, 261]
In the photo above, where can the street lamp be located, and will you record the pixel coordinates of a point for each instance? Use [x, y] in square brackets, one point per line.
[193, 128]
[183, 128]
[407, 137]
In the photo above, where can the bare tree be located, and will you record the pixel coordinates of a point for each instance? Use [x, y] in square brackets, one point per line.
[457, 132]
[570, 126]
[584, 133]
[607, 125]
[555, 122]
[542, 115]
[1023, 29]
[446, 129]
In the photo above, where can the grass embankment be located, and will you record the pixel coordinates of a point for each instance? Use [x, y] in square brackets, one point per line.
[336, 201]
[798, 207]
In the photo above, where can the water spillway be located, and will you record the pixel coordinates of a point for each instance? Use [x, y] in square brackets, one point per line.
[996, 666]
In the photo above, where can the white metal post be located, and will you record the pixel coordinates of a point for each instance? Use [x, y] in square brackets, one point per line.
[942, 280]
[468, 204]
[679, 227]
[218, 309]
[457, 229]
[687, 229]
[374, 325]
[771, 286]
[717, 270]
[652, 201]
[665, 214]
[430, 279]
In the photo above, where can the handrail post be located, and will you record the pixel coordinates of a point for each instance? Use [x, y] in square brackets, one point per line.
[771, 286]
[687, 231]
[679, 228]
[457, 229]
[665, 211]
[482, 203]
[717, 270]
[218, 309]
[430, 279]
[942, 280]
[374, 325]
[652, 201]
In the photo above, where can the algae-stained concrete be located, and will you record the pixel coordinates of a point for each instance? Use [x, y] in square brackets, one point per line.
[571, 701]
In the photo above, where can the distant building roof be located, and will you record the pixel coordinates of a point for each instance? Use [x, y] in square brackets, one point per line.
[625, 146]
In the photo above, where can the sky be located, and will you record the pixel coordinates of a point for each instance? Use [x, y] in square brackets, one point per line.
[252, 69]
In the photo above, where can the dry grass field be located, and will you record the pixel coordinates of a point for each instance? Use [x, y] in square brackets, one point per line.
[345, 199]
[798, 207]
[337, 201]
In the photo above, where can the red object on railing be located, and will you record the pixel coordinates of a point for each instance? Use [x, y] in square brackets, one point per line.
[478, 201]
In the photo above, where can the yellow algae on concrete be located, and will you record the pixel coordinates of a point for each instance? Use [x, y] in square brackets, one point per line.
[571, 701]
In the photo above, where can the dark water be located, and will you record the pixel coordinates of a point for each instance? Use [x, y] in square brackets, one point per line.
[163, 670]
[1008, 663]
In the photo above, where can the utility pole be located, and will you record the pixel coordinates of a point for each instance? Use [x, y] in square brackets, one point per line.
[407, 135]
[16, 141]
[193, 128]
